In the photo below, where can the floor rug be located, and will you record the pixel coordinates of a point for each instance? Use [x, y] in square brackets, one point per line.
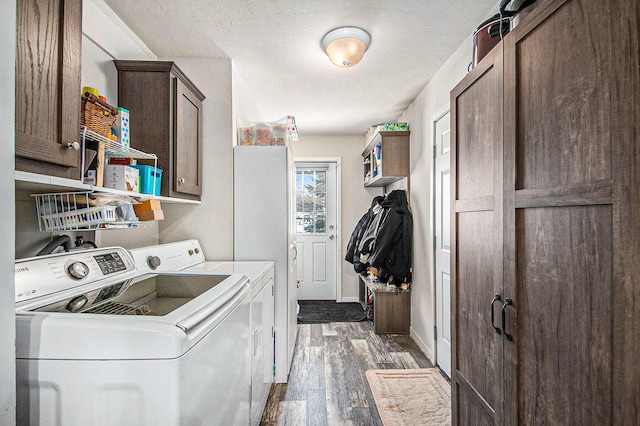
[321, 312]
[411, 397]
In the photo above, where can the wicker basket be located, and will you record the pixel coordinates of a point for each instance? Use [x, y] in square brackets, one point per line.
[96, 115]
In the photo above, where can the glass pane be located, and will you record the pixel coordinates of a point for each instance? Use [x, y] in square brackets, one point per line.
[320, 223]
[311, 200]
[321, 181]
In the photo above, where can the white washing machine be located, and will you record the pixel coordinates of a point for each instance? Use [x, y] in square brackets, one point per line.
[99, 342]
[187, 256]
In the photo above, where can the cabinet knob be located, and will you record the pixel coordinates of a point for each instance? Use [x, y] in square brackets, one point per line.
[73, 145]
[181, 180]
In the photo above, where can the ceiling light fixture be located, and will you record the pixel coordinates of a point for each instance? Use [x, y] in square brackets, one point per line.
[346, 46]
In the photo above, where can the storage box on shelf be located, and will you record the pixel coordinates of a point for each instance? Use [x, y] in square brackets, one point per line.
[276, 133]
[391, 306]
[107, 148]
[386, 158]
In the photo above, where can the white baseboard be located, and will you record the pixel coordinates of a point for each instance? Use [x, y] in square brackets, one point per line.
[422, 345]
[350, 299]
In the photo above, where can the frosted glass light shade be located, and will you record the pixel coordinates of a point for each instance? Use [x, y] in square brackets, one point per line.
[346, 46]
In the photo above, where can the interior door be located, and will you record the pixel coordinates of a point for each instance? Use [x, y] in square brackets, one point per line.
[442, 138]
[316, 219]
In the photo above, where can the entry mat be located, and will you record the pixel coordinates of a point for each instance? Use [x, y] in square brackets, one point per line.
[325, 312]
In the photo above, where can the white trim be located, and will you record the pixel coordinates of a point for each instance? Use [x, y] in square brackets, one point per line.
[429, 353]
[338, 161]
[349, 299]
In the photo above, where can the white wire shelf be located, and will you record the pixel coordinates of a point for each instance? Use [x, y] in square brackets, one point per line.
[115, 149]
[74, 211]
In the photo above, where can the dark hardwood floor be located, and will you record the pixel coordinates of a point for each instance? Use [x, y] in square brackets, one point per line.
[327, 383]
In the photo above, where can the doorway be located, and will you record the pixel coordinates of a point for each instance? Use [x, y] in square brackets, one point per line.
[442, 241]
[317, 228]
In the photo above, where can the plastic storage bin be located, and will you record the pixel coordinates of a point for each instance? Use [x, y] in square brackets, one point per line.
[149, 174]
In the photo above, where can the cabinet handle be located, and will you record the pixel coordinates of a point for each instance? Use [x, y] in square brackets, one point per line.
[74, 146]
[496, 298]
[507, 302]
[181, 180]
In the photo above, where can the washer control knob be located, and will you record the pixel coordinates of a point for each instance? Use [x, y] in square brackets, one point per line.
[78, 270]
[190, 252]
[153, 262]
[77, 303]
[197, 250]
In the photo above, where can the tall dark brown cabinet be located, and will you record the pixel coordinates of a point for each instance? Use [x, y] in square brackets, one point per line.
[49, 41]
[166, 119]
[545, 190]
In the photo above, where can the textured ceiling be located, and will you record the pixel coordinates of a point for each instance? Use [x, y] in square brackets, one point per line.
[275, 47]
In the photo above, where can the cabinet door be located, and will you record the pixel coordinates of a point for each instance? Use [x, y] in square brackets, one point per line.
[48, 86]
[187, 177]
[571, 114]
[476, 256]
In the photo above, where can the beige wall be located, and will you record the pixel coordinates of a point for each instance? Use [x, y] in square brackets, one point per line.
[355, 198]
[430, 104]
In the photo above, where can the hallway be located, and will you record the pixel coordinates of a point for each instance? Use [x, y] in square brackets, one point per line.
[327, 383]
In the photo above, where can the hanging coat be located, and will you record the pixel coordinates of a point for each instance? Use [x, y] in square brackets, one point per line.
[392, 248]
[359, 230]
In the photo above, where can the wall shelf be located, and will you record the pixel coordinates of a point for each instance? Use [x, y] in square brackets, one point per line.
[386, 158]
[34, 182]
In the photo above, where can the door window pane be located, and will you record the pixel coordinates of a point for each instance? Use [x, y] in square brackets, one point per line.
[311, 200]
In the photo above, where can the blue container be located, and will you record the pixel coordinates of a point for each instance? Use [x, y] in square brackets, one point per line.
[149, 174]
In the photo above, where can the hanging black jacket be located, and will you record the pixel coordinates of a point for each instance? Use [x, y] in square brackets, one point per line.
[392, 248]
[353, 254]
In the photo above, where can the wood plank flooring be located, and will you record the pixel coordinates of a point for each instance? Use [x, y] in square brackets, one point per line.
[327, 383]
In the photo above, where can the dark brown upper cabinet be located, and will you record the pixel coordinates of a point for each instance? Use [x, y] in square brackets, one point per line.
[48, 58]
[165, 110]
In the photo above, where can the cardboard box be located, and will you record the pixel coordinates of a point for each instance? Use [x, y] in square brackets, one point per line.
[121, 177]
[147, 205]
[150, 215]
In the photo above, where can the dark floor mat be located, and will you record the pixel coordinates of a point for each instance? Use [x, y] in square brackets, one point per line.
[318, 313]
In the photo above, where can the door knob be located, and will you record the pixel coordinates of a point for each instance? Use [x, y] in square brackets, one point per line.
[331, 237]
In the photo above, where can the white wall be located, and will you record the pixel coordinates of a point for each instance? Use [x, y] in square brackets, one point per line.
[355, 199]
[431, 103]
[7, 224]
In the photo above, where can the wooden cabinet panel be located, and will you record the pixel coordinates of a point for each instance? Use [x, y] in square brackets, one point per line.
[477, 113]
[562, 84]
[475, 273]
[565, 304]
[48, 86]
[166, 119]
[188, 141]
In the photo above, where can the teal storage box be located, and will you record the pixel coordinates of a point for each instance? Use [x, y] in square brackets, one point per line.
[149, 174]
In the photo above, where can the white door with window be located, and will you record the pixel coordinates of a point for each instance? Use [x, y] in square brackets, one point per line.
[316, 230]
[442, 159]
